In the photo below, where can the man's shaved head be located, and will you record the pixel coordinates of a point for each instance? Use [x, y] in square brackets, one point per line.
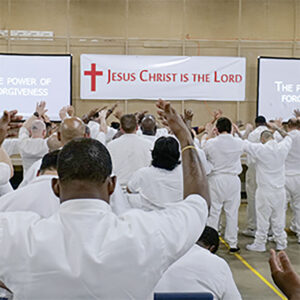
[148, 125]
[71, 128]
[128, 123]
[266, 136]
[38, 129]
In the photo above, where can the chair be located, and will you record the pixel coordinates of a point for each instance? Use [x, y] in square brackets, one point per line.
[183, 296]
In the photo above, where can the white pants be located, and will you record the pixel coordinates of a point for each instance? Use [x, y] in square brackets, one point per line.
[292, 186]
[270, 204]
[251, 189]
[225, 192]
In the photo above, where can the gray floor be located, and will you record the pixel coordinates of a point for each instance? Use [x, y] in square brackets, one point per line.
[250, 285]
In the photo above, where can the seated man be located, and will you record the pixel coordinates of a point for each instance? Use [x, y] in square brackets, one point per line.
[200, 270]
[84, 250]
[37, 196]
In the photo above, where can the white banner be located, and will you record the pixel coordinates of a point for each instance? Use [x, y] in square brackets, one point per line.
[167, 77]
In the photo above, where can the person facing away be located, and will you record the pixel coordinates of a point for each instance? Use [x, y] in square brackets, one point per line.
[292, 174]
[254, 137]
[32, 148]
[223, 153]
[200, 270]
[270, 196]
[129, 152]
[38, 195]
[161, 183]
[69, 129]
[84, 250]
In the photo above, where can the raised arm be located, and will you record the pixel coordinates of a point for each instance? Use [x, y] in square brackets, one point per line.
[194, 176]
[284, 275]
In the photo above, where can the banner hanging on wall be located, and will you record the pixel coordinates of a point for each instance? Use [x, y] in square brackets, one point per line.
[167, 77]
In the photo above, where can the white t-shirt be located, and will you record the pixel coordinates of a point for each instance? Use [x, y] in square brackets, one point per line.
[224, 154]
[202, 272]
[129, 153]
[36, 197]
[157, 187]
[86, 251]
[270, 161]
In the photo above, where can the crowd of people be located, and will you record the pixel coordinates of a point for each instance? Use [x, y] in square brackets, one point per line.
[126, 209]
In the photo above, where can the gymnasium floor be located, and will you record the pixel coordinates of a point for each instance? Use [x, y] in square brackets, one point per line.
[251, 286]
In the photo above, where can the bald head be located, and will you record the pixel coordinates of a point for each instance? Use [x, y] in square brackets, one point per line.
[148, 125]
[266, 136]
[71, 128]
[38, 129]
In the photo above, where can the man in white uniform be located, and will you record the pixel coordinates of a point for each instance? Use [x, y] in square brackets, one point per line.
[129, 152]
[223, 153]
[37, 196]
[254, 137]
[84, 250]
[292, 173]
[161, 183]
[200, 270]
[270, 196]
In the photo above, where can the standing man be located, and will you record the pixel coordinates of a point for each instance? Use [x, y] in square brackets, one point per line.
[292, 174]
[270, 196]
[254, 137]
[129, 152]
[223, 153]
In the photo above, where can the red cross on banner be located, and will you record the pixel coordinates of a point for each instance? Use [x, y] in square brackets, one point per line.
[93, 73]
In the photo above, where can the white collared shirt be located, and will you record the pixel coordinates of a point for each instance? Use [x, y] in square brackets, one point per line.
[200, 271]
[129, 153]
[270, 161]
[36, 197]
[84, 251]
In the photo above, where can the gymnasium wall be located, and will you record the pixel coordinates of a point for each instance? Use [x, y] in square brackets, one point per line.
[248, 28]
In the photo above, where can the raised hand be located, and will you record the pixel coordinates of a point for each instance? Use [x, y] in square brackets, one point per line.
[41, 108]
[63, 113]
[9, 122]
[172, 119]
[70, 111]
[111, 110]
[284, 274]
[297, 113]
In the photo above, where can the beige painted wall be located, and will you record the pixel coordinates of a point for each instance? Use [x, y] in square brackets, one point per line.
[248, 28]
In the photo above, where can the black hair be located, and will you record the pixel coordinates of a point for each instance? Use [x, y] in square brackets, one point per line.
[209, 238]
[260, 120]
[224, 125]
[165, 154]
[84, 159]
[49, 161]
[128, 123]
[115, 125]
